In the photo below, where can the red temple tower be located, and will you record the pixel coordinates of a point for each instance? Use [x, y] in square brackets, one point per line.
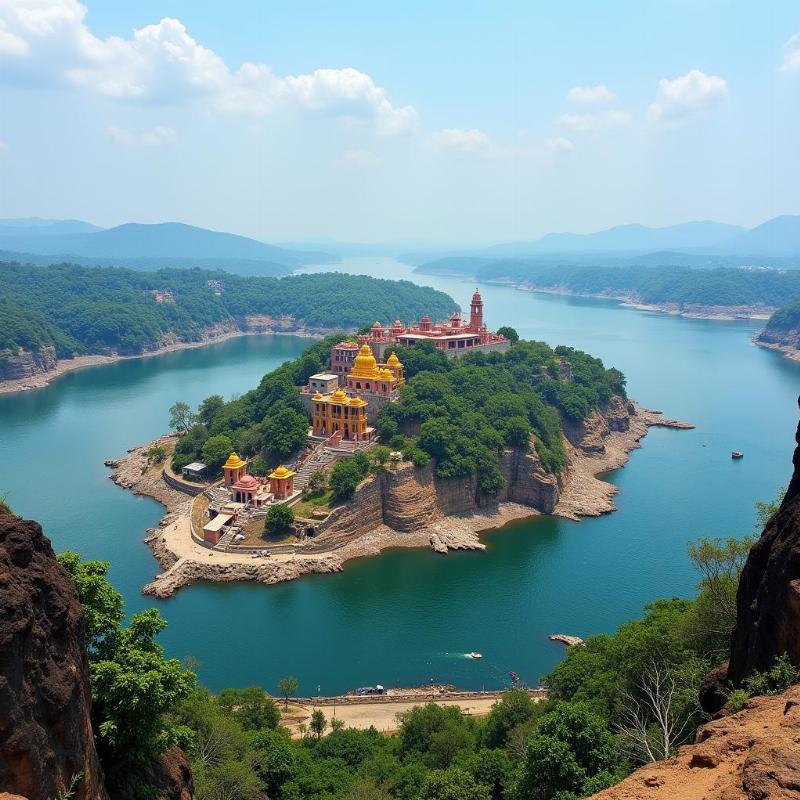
[476, 312]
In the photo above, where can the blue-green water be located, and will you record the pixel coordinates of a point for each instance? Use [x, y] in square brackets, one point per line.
[407, 616]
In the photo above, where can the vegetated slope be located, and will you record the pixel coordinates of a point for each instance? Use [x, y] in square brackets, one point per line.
[782, 328]
[89, 310]
[721, 286]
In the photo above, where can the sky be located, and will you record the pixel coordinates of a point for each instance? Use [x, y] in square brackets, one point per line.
[425, 122]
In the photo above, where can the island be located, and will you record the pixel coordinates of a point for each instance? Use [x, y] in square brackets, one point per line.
[419, 435]
[63, 317]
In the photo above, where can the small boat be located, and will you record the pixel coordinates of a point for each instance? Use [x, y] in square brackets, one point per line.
[475, 655]
[737, 454]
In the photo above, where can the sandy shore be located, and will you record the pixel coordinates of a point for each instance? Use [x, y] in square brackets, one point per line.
[63, 366]
[627, 300]
[185, 561]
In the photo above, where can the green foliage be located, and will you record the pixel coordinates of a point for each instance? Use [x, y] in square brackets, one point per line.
[95, 309]
[737, 700]
[216, 450]
[284, 431]
[251, 707]
[157, 454]
[181, 417]
[287, 687]
[347, 474]
[464, 413]
[317, 483]
[509, 332]
[318, 722]
[776, 680]
[279, 518]
[452, 784]
[515, 708]
[133, 684]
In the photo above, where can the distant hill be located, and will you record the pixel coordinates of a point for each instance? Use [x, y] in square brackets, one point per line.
[139, 246]
[36, 226]
[779, 236]
[625, 238]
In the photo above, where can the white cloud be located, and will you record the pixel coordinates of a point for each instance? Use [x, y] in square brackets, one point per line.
[559, 144]
[686, 97]
[468, 141]
[153, 138]
[47, 42]
[591, 94]
[791, 59]
[589, 122]
[358, 159]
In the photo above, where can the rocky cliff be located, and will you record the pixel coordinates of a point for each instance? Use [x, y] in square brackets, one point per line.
[25, 364]
[46, 736]
[752, 755]
[768, 599]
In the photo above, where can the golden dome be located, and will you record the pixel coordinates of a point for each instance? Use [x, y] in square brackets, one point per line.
[281, 472]
[233, 462]
[339, 395]
[365, 365]
[393, 360]
[357, 401]
[386, 373]
[317, 396]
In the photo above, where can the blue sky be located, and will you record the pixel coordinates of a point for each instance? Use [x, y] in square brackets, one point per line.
[426, 122]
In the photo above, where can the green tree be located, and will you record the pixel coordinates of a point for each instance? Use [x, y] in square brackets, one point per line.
[284, 431]
[513, 709]
[181, 417]
[509, 333]
[209, 409]
[215, 452]
[318, 722]
[288, 687]
[452, 784]
[776, 680]
[133, 684]
[279, 518]
[345, 477]
[317, 482]
[252, 707]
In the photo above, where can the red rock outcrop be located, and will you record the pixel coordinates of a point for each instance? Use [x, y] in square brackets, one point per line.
[752, 755]
[45, 726]
[768, 599]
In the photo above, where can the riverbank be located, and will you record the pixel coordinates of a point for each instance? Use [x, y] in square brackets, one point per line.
[629, 300]
[185, 561]
[64, 366]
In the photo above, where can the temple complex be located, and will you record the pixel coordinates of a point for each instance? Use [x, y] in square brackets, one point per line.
[339, 413]
[454, 336]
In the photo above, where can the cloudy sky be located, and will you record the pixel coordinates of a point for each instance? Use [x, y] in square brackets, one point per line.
[421, 121]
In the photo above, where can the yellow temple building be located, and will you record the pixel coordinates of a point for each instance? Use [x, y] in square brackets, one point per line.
[337, 413]
[367, 375]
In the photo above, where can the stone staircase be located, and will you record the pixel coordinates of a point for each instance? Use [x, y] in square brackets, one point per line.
[319, 459]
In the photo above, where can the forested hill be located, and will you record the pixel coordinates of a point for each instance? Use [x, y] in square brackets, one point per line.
[721, 286]
[785, 319]
[81, 310]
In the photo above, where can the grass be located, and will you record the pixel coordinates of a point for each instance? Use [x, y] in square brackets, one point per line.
[308, 505]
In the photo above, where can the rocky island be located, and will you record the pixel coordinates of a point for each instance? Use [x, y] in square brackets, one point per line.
[459, 446]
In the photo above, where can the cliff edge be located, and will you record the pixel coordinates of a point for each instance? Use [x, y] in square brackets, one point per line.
[46, 739]
[752, 755]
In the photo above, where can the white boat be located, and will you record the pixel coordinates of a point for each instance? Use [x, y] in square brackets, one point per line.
[475, 655]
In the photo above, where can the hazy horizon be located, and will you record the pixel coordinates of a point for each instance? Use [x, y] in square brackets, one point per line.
[361, 123]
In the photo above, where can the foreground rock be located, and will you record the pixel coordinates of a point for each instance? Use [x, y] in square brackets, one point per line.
[752, 755]
[768, 599]
[45, 727]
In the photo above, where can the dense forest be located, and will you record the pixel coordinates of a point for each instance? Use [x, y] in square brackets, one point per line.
[463, 413]
[785, 319]
[617, 702]
[723, 286]
[91, 310]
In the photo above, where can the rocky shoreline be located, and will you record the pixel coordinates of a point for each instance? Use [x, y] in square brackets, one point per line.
[630, 300]
[353, 531]
[785, 342]
[55, 368]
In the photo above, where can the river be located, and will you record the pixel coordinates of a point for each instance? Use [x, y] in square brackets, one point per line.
[409, 616]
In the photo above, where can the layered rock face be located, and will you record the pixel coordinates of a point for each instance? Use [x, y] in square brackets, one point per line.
[768, 600]
[45, 726]
[16, 366]
[752, 755]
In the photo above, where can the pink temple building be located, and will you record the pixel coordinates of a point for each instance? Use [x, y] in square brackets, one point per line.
[455, 336]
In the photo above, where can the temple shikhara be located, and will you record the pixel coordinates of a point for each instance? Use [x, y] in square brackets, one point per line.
[344, 402]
